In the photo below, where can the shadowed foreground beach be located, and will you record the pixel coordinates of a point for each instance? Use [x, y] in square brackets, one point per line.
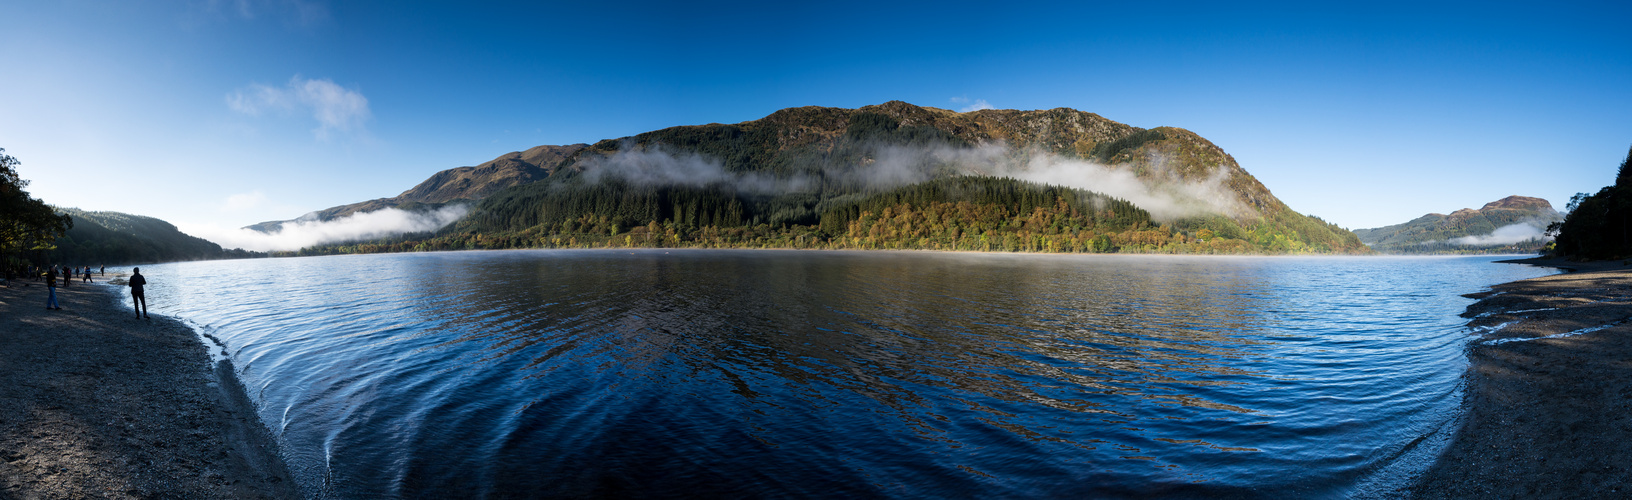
[1548, 410]
[95, 403]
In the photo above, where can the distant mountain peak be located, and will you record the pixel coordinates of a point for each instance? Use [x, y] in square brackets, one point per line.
[1518, 203]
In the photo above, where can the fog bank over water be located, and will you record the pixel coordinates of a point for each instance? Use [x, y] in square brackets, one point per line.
[301, 233]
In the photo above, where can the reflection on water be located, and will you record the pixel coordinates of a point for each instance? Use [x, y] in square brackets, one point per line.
[754, 374]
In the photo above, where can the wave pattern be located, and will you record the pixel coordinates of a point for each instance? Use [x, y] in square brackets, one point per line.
[776, 374]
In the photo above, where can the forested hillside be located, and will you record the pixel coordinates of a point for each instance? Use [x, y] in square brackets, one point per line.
[113, 238]
[1514, 224]
[896, 176]
[959, 213]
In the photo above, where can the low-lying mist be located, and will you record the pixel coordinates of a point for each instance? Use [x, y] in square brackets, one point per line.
[1162, 191]
[1505, 235]
[660, 167]
[301, 233]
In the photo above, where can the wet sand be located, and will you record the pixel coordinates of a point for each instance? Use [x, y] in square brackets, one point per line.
[95, 403]
[1548, 408]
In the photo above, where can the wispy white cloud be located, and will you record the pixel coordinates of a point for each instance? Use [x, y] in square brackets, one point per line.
[972, 105]
[336, 108]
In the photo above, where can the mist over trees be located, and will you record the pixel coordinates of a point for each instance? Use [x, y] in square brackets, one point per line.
[1599, 226]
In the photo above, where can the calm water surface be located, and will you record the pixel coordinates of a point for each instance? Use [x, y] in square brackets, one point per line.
[831, 374]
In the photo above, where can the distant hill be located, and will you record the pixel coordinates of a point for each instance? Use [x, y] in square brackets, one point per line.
[886, 176]
[1510, 225]
[113, 238]
[454, 184]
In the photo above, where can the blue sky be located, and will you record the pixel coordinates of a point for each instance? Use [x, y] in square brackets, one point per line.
[219, 114]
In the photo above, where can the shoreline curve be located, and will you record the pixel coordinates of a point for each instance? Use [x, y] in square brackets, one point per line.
[97, 404]
[1547, 411]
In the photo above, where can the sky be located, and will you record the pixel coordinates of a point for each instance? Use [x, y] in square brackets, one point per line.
[220, 114]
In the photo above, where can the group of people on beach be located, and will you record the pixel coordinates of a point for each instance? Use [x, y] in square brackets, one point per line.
[84, 273]
[50, 275]
[136, 282]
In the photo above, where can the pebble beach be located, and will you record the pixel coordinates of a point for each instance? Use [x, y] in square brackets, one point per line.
[1548, 405]
[95, 403]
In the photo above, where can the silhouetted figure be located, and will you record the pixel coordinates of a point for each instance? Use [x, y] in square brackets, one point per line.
[136, 283]
[67, 276]
[88, 274]
[51, 290]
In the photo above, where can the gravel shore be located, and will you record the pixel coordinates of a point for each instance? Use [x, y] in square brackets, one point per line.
[1548, 408]
[95, 403]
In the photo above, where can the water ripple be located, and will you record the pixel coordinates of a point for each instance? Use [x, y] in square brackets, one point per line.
[776, 374]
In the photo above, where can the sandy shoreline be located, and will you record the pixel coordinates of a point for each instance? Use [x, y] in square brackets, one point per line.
[1548, 406]
[97, 404]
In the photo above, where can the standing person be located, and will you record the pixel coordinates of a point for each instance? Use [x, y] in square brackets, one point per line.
[88, 274]
[67, 276]
[136, 283]
[104, 271]
[51, 290]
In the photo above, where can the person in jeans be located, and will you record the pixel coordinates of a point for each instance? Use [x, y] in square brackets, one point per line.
[51, 290]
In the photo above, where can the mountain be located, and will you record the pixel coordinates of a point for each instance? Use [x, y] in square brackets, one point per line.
[1509, 225]
[896, 175]
[113, 238]
[453, 185]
